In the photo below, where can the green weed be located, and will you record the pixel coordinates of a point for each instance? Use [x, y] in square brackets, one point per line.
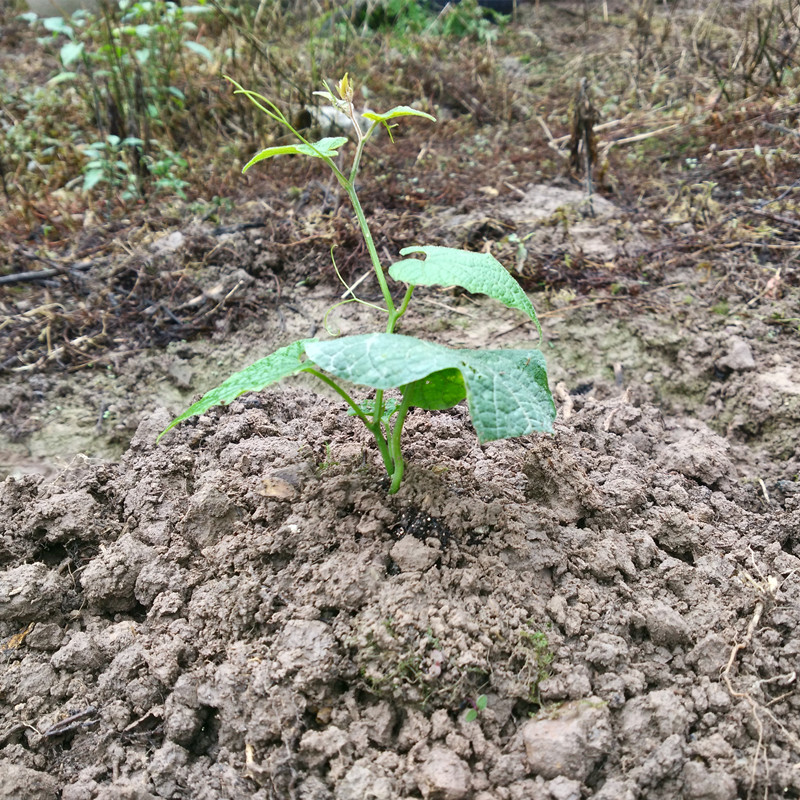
[131, 66]
[534, 651]
[480, 704]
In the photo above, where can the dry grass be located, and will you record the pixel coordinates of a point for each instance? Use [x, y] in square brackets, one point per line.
[696, 136]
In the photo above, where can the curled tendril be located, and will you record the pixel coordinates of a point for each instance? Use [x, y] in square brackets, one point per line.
[331, 331]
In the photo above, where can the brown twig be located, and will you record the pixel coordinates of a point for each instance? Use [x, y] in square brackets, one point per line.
[41, 274]
[82, 719]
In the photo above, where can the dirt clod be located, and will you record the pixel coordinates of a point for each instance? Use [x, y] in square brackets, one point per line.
[570, 742]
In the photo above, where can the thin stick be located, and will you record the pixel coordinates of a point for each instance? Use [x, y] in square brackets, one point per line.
[358, 283]
[41, 274]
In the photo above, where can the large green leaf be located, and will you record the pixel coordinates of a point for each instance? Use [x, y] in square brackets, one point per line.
[327, 147]
[480, 273]
[506, 390]
[280, 364]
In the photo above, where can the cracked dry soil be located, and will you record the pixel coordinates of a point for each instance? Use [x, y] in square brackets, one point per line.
[241, 612]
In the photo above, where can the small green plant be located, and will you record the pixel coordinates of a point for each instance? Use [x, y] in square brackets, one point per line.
[537, 656]
[327, 462]
[480, 704]
[131, 65]
[722, 308]
[506, 390]
[108, 166]
[467, 20]
[398, 16]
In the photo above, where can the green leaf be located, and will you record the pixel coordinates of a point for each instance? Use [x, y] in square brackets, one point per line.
[200, 49]
[397, 111]
[390, 406]
[58, 25]
[506, 390]
[437, 391]
[61, 77]
[479, 273]
[280, 364]
[482, 702]
[92, 177]
[324, 148]
[471, 715]
[70, 52]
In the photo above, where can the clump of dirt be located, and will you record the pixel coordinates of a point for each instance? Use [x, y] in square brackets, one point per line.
[241, 611]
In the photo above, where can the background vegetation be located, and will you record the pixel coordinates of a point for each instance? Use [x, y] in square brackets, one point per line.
[687, 115]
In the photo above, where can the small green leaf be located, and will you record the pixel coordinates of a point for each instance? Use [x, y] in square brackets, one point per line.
[437, 391]
[324, 148]
[480, 273]
[397, 111]
[506, 390]
[61, 77]
[70, 52]
[92, 177]
[390, 405]
[58, 25]
[336, 102]
[280, 364]
[482, 702]
[471, 715]
[200, 49]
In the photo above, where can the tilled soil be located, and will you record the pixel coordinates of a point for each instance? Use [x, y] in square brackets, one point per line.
[241, 612]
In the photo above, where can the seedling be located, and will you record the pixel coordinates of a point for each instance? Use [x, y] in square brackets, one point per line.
[480, 704]
[506, 390]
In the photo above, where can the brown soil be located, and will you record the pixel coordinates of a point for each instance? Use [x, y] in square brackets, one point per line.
[244, 613]
[241, 611]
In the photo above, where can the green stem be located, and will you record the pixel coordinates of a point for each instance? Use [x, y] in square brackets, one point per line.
[376, 417]
[394, 316]
[371, 249]
[350, 188]
[394, 445]
[360, 148]
[341, 392]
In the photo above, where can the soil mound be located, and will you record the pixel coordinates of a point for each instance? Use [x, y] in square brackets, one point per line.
[241, 612]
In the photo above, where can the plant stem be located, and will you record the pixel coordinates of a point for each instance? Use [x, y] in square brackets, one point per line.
[394, 316]
[388, 445]
[362, 140]
[376, 417]
[341, 392]
[368, 240]
[394, 445]
[394, 313]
